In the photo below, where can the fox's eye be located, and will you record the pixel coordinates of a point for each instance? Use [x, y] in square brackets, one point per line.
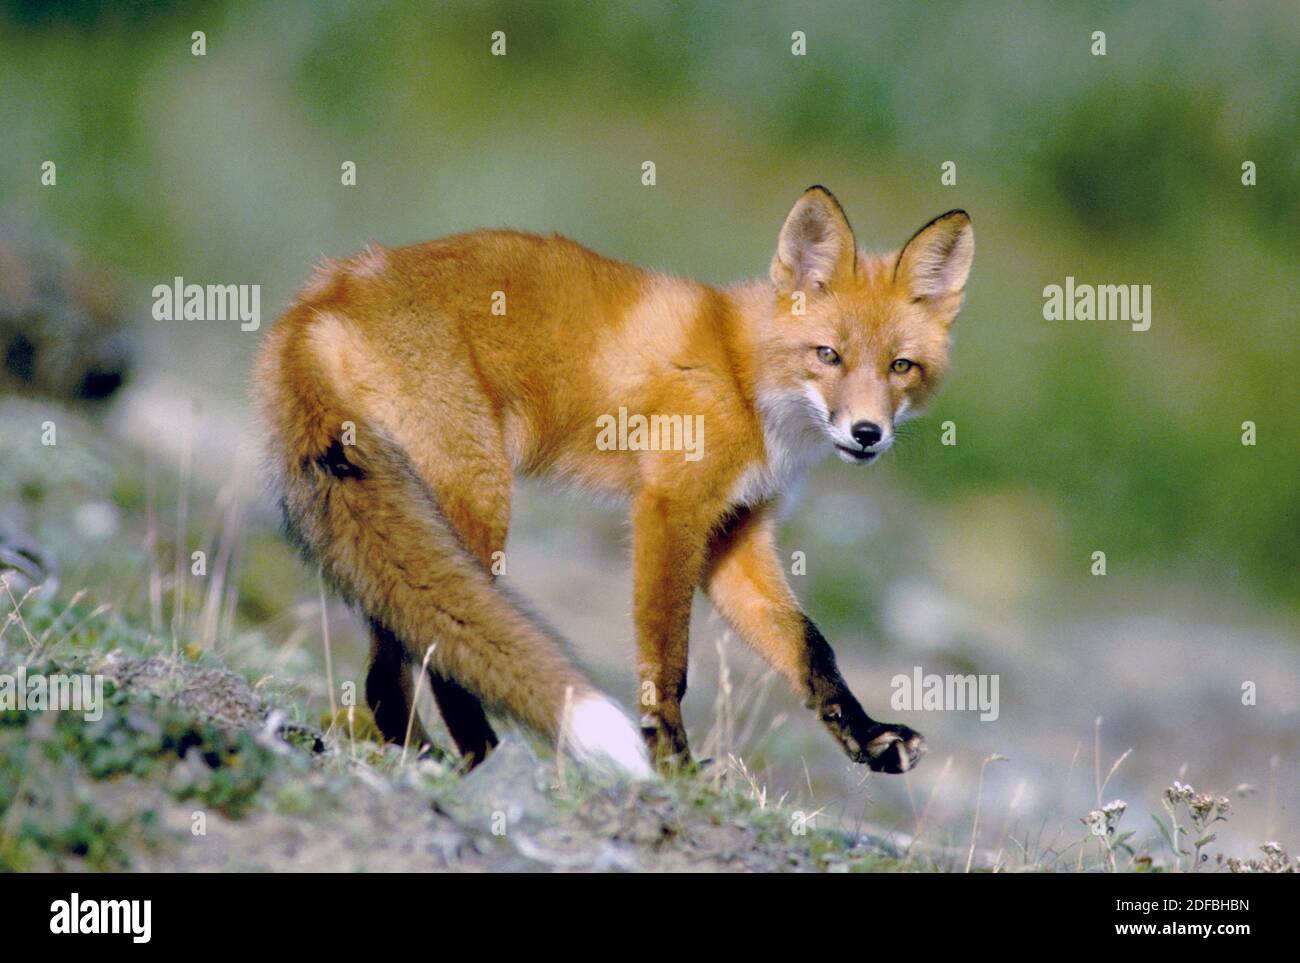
[827, 355]
[901, 366]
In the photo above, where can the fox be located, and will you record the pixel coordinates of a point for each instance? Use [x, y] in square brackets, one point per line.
[405, 388]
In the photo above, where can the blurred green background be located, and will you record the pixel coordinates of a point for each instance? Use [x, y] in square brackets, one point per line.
[1073, 437]
[1115, 169]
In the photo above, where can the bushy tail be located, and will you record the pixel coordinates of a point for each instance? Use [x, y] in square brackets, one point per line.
[363, 513]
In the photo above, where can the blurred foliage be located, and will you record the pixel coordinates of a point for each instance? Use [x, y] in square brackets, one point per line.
[1117, 169]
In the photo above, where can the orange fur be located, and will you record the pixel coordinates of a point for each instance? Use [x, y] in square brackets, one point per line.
[448, 400]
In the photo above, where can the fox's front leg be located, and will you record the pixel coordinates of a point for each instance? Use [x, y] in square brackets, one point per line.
[745, 580]
[669, 545]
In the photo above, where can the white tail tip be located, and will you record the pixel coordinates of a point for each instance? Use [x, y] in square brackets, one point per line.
[600, 737]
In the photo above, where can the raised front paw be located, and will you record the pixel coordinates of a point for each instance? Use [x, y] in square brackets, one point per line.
[884, 746]
[892, 748]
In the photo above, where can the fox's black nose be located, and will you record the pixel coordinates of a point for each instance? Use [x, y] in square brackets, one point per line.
[866, 433]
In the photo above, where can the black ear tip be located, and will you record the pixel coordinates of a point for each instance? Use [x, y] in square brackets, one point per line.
[825, 192]
[957, 218]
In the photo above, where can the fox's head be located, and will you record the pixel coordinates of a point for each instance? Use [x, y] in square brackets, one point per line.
[858, 342]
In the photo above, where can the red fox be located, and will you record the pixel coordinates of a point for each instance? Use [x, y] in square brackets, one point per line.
[405, 387]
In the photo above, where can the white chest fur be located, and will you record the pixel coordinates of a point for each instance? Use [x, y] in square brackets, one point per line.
[793, 439]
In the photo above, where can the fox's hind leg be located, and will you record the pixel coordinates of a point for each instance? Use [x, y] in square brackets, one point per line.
[460, 456]
[465, 719]
[481, 525]
[473, 491]
[389, 689]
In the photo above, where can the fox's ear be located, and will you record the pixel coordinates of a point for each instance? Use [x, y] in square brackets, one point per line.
[816, 247]
[935, 263]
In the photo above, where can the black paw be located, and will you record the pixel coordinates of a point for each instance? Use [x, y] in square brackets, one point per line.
[885, 747]
[892, 748]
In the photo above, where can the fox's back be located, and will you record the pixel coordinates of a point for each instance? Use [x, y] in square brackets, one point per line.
[544, 332]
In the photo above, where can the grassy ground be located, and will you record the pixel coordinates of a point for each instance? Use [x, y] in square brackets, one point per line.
[190, 769]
